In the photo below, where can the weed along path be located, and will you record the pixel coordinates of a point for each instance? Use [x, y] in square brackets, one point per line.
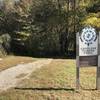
[10, 77]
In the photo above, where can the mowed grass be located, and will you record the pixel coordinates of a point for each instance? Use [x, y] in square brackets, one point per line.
[57, 74]
[56, 81]
[11, 61]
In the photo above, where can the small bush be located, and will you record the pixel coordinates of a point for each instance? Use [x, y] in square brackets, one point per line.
[5, 40]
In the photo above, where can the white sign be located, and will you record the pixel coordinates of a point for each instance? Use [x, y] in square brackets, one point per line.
[88, 42]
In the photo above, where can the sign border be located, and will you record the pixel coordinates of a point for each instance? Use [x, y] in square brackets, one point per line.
[78, 65]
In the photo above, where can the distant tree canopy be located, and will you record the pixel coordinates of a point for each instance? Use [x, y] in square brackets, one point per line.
[46, 27]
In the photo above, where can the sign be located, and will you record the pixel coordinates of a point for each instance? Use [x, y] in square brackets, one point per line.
[88, 42]
[88, 61]
[88, 47]
[88, 52]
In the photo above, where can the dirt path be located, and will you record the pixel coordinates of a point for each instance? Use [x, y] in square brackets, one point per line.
[9, 77]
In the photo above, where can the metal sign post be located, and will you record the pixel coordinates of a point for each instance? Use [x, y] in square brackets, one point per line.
[98, 67]
[88, 52]
[77, 62]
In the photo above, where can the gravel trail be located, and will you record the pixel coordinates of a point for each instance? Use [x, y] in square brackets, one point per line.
[9, 77]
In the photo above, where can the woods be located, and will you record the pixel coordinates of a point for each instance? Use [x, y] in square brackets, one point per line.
[44, 27]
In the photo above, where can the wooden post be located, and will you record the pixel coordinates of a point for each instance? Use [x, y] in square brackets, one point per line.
[98, 67]
[77, 62]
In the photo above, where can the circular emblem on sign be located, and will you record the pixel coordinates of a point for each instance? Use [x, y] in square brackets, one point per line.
[88, 35]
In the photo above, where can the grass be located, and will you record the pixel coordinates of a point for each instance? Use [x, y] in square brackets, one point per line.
[55, 81]
[56, 74]
[11, 61]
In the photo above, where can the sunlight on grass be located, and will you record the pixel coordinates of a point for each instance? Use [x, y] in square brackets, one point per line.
[11, 61]
[55, 81]
[88, 77]
[60, 73]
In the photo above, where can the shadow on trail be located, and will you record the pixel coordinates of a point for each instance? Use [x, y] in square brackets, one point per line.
[54, 89]
[85, 89]
[89, 89]
[47, 89]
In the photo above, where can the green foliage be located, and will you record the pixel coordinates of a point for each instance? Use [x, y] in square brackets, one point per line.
[47, 26]
[5, 41]
[92, 19]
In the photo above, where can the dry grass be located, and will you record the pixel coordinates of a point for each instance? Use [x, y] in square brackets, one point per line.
[11, 61]
[59, 73]
[55, 82]
[49, 95]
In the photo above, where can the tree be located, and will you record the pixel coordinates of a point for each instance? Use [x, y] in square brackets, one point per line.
[45, 27]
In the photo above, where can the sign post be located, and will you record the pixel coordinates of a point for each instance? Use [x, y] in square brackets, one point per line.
[98, 67]
[88, 52]
[77, 61]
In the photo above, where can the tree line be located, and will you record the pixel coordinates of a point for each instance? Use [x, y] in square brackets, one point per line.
[44, 27]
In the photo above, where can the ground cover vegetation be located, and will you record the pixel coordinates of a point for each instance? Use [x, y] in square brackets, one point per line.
[55, 81]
